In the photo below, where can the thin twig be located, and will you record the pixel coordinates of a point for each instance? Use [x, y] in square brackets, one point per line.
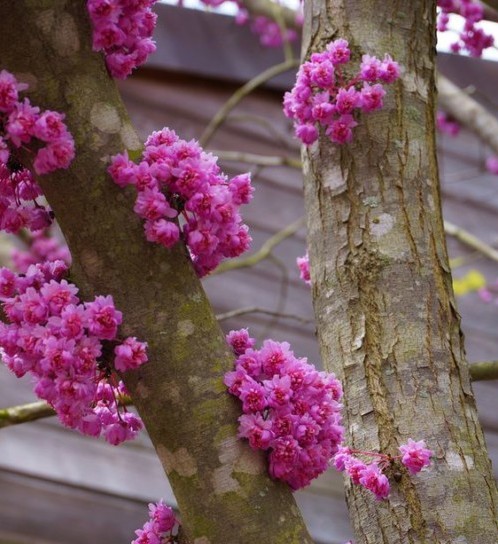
[242, 92]
[470, 240]
[256, 310]
[260, 160]
[279, 136]
[282, 296]
[263, 252]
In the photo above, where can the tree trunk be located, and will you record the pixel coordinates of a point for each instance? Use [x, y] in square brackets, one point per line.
[222, 487]
[387, 320]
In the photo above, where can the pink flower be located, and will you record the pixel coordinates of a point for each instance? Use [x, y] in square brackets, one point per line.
[340, 130]
[372, 479]
[257, 430]
[415, 455]
[492, 164]
[446, 124]
[130, 354]
[339, 51]
[303, 264]
[103, 318]
[370, 69]
[371, 97]
[253, 396]
[9, 88]
[162, 231]
[240, 341]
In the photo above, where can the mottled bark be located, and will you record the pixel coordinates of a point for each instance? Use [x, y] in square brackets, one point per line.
[222, 487]
[387, 320]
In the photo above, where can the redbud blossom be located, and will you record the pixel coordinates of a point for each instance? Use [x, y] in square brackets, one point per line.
[323, 96]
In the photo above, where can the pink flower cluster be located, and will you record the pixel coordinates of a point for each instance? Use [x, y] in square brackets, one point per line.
[23, 128]
[447, 124]
[471, 38]
[161, 528]
[43, 247]
[303, 263]
[122, 29]
[269, 32]
[414, 455]
[291, 410]
[66, 345]
[323, 96]
[180, 189]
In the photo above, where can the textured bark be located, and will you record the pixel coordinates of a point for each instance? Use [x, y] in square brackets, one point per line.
[387, 320]
[222, 487]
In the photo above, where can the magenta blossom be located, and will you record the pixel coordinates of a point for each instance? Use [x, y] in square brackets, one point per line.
[415, 455]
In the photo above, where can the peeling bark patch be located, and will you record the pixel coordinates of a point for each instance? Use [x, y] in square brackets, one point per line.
[334, 179]
[129, 137]
[454, 461]
[235, 457]
[92, 263]
[382, 225]
[45, 21]
[142, 390]
[186, 328]
[179, 461]
[105, 117]
[250, 462]
[223, 481]
[65, 39]
[29, 78]
[172, 392]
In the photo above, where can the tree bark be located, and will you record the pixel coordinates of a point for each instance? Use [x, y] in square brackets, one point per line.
[386, 316]
[222, 487]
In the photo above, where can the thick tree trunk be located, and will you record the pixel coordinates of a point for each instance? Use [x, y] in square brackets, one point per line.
[222, 487]
[387, 320]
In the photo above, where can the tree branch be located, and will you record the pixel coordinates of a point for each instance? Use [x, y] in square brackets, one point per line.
[484, 370]
[470, 240]
[259, 160]
[33, 411]
[468, 112]
[218, 481]
[257, 310]
[242, 92]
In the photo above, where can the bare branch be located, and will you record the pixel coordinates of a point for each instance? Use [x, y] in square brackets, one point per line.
[242, 92]
[260, 160]
[484, 370]
[256, 310]
[470, 240]
[468, 112]
[263, 252]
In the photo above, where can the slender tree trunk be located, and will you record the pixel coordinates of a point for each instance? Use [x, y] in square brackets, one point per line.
[387, 320]
[222, 487]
